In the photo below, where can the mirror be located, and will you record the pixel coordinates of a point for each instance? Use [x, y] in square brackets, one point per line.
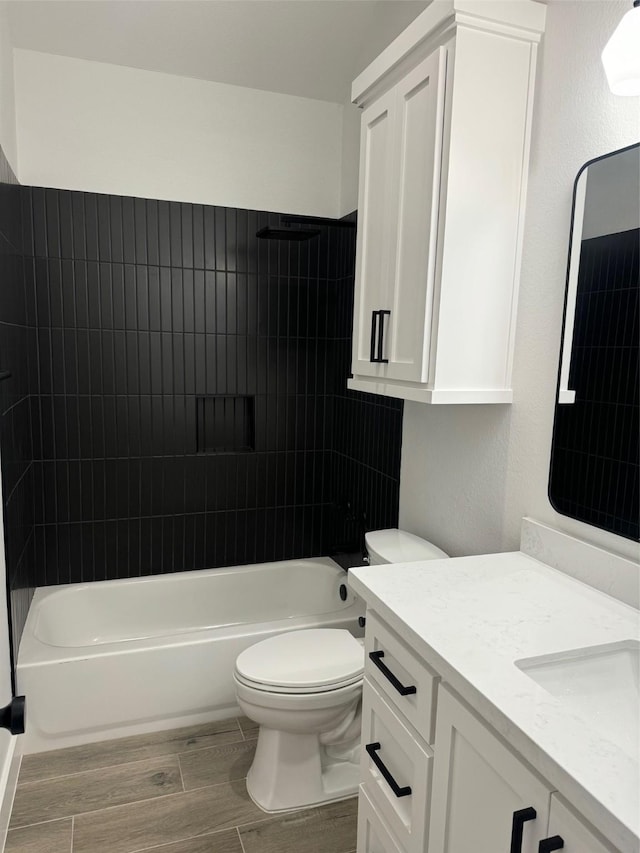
[594, 473]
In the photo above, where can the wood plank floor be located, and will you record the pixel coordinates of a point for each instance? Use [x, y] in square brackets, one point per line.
[180, 791]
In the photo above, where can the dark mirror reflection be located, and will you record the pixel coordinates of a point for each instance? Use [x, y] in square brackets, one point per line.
[595, 473]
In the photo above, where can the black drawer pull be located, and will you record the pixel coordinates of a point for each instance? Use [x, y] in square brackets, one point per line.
[547, 845]
[520, 817]
[376, 658]
[372, 749]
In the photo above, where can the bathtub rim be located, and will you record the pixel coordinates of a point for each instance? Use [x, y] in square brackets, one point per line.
[35, 652]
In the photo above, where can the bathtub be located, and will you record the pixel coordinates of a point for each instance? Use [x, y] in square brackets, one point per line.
[114, 658]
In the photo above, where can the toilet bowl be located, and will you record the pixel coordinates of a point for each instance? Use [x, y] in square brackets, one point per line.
[304, 690]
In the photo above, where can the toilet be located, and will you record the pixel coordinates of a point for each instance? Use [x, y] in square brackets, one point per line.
[304, 689]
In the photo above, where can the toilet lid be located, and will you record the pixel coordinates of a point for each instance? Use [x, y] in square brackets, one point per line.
[303, 661]
[398, 546]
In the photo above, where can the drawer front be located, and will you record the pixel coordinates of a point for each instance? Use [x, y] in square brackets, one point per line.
[408, 683]
[373, 834]
[395, 771]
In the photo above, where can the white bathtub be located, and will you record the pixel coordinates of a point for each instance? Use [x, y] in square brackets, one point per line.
[113, 658]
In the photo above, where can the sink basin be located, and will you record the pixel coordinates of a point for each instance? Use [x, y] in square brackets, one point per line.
[600, 683]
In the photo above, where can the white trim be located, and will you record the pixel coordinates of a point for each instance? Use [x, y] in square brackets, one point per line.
[565, 394]
[420, 394]
[521, 18]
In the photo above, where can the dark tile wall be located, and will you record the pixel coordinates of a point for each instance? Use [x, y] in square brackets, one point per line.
[367, 437]
[145, 307]
[18, 357]
[595, 471]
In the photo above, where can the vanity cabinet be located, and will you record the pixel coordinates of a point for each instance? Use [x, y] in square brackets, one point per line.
[577, 837]
[483, 795]
[437, 778]
[444, 154]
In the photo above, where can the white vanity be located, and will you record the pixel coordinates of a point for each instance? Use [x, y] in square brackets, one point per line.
[500, 710]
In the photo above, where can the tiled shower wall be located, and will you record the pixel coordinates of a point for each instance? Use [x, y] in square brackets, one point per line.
[143, 309]
[17, 357]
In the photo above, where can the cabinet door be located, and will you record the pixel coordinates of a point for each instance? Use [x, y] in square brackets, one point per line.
[375, 223]
[419, 133]
[373, 834]
[577, 837]
[478, 787]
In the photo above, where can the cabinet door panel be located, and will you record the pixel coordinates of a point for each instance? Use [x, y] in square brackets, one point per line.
[419, 133]
[478, 783]
[577, 837]
[407, 762]
[374, 222]
[373, 834]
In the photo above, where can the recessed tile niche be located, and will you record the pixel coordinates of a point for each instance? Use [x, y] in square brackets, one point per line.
[226, 424]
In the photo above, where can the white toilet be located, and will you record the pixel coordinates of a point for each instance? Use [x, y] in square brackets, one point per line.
[303, 689]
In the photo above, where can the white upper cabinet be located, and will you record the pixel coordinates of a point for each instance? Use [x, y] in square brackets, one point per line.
[443, 164]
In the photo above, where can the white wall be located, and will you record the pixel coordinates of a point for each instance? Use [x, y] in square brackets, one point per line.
[7, 100]
[350, 159]
[469, 474]
[106, 128]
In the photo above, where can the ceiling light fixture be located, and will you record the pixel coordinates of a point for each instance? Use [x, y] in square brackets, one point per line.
[621, 56]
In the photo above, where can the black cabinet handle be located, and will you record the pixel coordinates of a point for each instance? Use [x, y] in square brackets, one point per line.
[547, 845]
[381, 359]
[376, 658]
[374, 329]
[377, 337]
[520, 817]
[372, 749]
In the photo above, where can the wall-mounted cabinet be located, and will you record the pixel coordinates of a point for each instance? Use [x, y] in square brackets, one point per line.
[444, 156]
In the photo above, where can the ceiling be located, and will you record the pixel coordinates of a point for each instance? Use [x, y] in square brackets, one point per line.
[309, 48]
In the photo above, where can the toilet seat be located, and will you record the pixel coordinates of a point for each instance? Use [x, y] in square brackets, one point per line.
[315, 660]
[292, 691]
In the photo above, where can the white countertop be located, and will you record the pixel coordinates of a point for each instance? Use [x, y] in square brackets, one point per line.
[471, 618]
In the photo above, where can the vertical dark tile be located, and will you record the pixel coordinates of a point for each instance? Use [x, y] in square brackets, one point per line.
[175, 220]
[105, 250]
[116, 229]
[91, 226]
[155, 304]
[153, 233]
[141, 237]
[164, 233]
[128, 231]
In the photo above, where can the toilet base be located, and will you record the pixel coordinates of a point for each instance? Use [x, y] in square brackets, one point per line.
[294, 771]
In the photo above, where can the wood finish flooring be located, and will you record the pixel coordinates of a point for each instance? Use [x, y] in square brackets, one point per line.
[180, 791]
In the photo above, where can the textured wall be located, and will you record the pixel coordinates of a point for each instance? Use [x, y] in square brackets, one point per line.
[144, 307]
[469, 474]
[7, 92]
[106, 128]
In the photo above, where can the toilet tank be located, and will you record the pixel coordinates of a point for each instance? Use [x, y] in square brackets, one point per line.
[398, 546]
